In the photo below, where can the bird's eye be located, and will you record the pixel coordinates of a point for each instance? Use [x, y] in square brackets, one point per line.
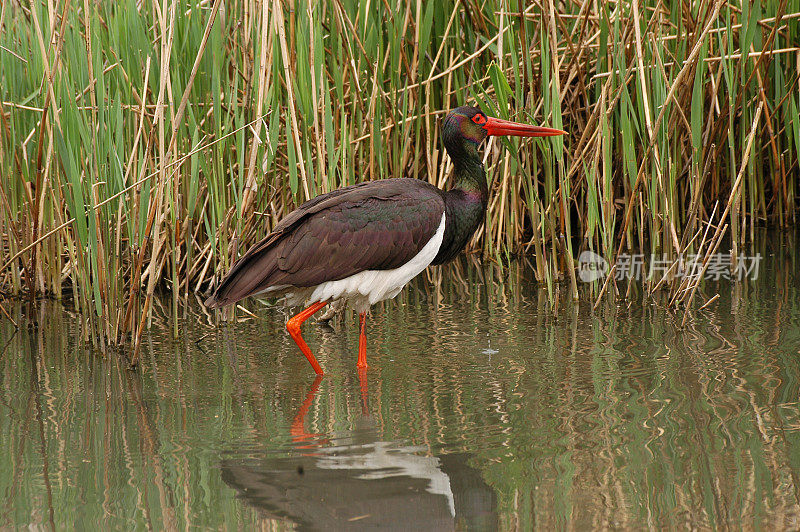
[479, 119]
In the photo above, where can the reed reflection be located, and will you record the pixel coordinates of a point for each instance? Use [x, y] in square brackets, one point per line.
[614, 417]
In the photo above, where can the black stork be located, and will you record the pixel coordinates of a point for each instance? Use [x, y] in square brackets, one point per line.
[362, 244]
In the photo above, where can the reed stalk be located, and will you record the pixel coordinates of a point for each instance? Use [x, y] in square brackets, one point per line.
[145, 145]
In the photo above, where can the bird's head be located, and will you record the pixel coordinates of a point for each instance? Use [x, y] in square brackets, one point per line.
[464, 128]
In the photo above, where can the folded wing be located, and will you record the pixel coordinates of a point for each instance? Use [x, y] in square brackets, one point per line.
[379, 225]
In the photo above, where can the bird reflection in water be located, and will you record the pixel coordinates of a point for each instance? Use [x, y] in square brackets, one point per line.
[358, 481]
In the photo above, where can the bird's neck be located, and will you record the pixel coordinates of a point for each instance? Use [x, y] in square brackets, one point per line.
[470, 178]
[465, 207]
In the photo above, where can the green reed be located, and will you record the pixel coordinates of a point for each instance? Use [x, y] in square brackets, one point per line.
[144, 146]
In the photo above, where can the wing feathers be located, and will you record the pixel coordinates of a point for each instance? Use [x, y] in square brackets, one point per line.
[377, 225]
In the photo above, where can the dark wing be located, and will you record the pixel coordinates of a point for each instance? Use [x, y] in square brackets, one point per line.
[379, 225]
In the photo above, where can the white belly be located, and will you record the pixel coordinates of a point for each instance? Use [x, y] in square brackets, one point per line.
[370, 286]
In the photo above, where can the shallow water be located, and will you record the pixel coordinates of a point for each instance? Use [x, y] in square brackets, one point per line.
[482, 408]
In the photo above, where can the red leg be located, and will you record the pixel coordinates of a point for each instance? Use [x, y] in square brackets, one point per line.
[362, 343]
[293, 326]
[298, 430]
[362, 379]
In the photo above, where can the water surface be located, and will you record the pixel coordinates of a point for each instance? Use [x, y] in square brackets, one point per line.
[483, 408]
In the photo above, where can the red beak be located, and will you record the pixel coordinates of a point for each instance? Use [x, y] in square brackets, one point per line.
[496, 126]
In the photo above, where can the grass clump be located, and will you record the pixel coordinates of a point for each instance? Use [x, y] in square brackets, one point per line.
[144, 145]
